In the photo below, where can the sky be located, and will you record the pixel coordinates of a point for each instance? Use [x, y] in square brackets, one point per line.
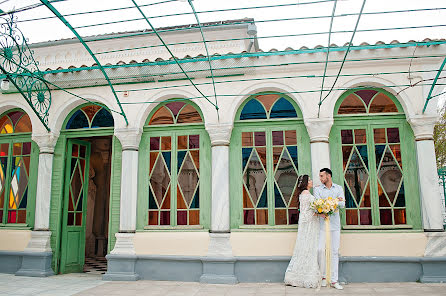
[315, 28]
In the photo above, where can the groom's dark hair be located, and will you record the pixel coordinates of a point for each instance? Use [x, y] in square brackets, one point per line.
[326, 170]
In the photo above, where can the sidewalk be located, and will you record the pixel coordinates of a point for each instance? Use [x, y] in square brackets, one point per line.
[85, 284]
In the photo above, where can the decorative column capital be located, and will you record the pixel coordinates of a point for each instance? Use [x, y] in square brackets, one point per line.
[220, 134]
[318, 129]
[129, 138]
[46, 141]
[423, 126]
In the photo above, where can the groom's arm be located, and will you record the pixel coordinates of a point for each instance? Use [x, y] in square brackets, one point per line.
[341, 197]
[316, 192]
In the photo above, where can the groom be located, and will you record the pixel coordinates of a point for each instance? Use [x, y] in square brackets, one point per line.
[328, 188]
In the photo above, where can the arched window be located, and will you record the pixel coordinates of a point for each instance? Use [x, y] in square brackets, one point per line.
[176, 178]
[373, 151]
[270, 148]
[90, 116]
[18, 167]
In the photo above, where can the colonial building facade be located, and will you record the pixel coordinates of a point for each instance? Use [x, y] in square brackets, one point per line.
[189, 192]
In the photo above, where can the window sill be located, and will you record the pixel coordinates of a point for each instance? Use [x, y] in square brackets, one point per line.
[376, 227]
[173, 228]
[15, 226]
[266, 228]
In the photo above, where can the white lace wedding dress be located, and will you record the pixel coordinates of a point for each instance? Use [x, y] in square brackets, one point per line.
[303, 270]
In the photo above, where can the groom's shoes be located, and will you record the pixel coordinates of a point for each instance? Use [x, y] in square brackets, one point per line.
[337, 286]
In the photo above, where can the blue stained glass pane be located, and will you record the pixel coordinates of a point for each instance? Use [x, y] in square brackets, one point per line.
[195, 204]
[362, 149]
[77, 120]
[278, 200]
[283, 109]
[24, 200]
[349, 202]
[167, 159]
[181, 155]
[79, 205]
[246, 152]
[102, 119]
[152, 203]
[379, 151]
[293, 153]
[253, 110]
[400, 200]
[263, 203]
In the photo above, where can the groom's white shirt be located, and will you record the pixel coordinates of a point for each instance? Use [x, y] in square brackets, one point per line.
[335, 191]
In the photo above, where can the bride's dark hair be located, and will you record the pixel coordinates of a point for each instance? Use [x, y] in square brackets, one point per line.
[302, 183]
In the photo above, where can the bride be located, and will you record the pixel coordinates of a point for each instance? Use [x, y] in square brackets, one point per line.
[303, 270]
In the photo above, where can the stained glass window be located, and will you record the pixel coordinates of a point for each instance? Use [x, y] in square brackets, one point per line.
[367, 101]
[174, 173]
[91, 116]
[15, 160]
[270, 106]
[176, 113]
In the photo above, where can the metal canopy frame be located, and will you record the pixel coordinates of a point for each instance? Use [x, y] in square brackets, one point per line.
[175, 67]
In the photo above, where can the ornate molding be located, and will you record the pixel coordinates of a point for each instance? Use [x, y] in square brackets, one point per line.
[318, 129]
[124, 244]
[220, 134]
[423, 126]
[39, 242]
[46, 142]
[129, 138]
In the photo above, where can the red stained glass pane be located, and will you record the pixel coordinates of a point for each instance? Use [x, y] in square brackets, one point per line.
[365, 217]
[6, 127]
[260, 138]
[4, 149]
[79, 219]
[247, 203]
[262, 155]
[182, 217]
[247, 139]
[277, 137]
[194, 217]
[75, 151]
[346, 151]
[194, 141]
[15, 116]
[83, 149]
[154, 143]
[267, 100]
[90, 111]
[281, 218]
[396, 150]
[385, 216]
[182, 142]
[365, 203]
[277, 151]
[189, 115]
[366, 95]
[383, 201]
[70, 221]
[12, 217]
[290, 138]
[352, 105]
[347, 136]
[17, 149]
[166, 143]
[400, 216]
[166, 202]
[175, 107]
[293, 216]
[379, 135]
[351, 217]
[153, 156]
[24, 125]
[180, 201]
[196, 158]
[382, 104]
[360, 136]
[161, 116]
[70, 202]
[248, 217]
[26, 148]
[262, 217]
[153, 217]
[393, 135]
[165, 218]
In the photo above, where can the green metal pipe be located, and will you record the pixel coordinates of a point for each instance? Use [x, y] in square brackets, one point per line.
[429, 96]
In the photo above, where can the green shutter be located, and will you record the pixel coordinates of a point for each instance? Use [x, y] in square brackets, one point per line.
[32, 185]
[115, 193]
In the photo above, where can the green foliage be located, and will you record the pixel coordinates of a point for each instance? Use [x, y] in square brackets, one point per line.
[440, 139]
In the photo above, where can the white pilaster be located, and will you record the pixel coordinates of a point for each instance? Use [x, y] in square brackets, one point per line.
[129, 138]
[319, 131]
[220, 216]
[423, 127]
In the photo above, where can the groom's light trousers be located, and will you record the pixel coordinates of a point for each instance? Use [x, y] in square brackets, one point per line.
[335, 241]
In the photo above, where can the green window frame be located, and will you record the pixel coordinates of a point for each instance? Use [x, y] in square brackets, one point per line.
[182, 149]
[364, 148]
[282, 205]
[16, 148]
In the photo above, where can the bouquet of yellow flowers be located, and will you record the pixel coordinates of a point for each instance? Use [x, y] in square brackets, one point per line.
[326, 206]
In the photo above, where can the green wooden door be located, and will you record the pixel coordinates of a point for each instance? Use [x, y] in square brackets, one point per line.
[75, 206]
